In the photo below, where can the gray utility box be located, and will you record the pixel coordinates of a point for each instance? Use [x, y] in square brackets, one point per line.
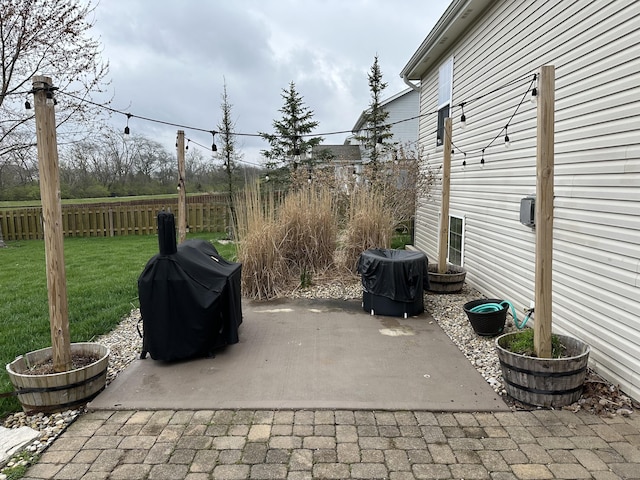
[528, 210]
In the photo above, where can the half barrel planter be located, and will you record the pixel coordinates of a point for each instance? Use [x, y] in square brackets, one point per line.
[450, 282]
[544, 382]
[59, 391]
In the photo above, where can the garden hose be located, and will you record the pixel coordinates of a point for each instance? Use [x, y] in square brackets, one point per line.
[494, 307]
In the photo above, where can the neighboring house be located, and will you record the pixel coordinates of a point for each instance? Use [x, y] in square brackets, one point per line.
[345, 159]
[483, 53]
[403, 109]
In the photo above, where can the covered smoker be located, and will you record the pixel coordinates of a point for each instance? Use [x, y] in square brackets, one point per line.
[190, 298]
[393, 281]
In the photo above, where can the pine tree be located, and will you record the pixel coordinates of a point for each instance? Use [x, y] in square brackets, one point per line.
[376, 132]
[290, 143]
[228, 151]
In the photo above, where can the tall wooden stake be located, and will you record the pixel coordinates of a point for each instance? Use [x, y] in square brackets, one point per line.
[182, 192]
[544, 212]
[444, 205]
[52, 222]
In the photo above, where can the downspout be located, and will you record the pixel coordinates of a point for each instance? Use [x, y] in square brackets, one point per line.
[412, 85]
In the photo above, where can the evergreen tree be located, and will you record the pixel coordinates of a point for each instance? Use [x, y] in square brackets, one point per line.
[290, 143]
[376, 132]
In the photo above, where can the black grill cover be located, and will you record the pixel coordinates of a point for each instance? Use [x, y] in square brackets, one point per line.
[400, 275]
[190, 302]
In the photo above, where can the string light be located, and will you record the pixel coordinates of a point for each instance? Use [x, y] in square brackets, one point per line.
[463, 118]
[213, 145]
[27, 104]
[266, 177]
[534, 92]
[187, 146]
[126, 128]
[464, 162]
[378, 140]
[50, 100]
[507, 141]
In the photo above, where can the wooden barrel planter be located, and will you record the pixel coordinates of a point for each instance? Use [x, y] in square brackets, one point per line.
[450, 282]
[59, 391]
[544, 382]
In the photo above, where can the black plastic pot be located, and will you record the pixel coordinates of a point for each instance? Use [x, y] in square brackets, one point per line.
[486, 323]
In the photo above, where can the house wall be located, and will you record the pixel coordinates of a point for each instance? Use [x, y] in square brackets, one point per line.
[401, 107]
[407, 106]
[595, 49]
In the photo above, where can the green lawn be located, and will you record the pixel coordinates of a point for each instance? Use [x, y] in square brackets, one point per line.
[102, 287]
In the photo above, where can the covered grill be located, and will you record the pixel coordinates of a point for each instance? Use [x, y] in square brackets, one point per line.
[190, 298]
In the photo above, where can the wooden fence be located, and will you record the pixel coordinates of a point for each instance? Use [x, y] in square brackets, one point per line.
[205, 213]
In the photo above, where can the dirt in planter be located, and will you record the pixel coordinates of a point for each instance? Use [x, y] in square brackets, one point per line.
[78, 360]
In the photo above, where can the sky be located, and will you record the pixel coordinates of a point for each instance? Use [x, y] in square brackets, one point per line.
[169, 60]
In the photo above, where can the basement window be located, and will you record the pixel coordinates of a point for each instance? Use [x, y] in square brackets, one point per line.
[456, 240]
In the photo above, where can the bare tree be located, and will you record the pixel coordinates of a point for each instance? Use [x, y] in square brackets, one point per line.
[52, 37]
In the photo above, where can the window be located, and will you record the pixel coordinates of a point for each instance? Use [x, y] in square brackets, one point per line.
[445, 91]
[456, 240]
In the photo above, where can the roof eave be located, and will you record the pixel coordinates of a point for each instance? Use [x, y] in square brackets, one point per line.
[452, 24]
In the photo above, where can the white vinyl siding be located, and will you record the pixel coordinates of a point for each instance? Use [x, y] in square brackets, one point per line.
[400, 109]
[595, 48]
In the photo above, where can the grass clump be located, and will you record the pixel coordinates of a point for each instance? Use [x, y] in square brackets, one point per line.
[370, 224]
[522, 344]
[280, 244]
[286, 245]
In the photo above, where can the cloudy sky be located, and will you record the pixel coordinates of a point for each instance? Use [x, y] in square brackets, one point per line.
[168, 60]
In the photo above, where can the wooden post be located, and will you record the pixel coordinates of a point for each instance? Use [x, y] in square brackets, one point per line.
[182, 193]
[544, 212]
[52, 221]
[444, 204]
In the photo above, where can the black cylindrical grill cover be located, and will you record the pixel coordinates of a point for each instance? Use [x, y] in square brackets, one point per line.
[400, 275]
[190, 302]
